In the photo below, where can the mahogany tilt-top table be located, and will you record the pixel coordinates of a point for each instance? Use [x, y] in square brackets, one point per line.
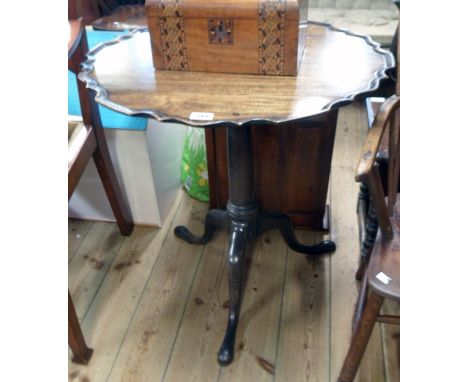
[337, 67]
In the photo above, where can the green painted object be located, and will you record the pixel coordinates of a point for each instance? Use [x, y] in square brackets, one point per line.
[194, 167]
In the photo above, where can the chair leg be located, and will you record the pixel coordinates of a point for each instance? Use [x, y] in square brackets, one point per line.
[361, 303]
[368, 242]
[361, 338]
[76, 341]
[108, 177]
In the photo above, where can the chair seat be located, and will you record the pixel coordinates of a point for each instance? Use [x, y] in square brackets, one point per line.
[385, 259]
[75, 124]
[81, 141]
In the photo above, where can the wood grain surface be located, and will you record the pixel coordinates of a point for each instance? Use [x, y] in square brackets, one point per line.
[221, 36]
[337, 66]
[155, 323]
[90, 266]
[351, 132]
[77, 230]
[311, 303]
[293, 159]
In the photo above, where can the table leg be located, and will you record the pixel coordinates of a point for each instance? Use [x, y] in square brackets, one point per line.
[282, 222]
[214, 219]
[244, 223]
[238, 243]
[242, 212]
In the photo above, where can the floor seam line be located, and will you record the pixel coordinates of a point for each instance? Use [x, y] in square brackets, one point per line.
[79, 245]
[281, 308]
[141, 296]
[183, 312]
[102, 281]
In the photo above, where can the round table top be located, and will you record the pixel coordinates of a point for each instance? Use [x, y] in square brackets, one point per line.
[337, 66]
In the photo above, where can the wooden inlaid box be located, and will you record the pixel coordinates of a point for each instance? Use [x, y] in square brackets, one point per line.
[228, 36]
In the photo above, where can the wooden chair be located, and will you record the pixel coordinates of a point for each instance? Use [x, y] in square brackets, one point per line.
[367, 220]
[381, 276]
[87, 140]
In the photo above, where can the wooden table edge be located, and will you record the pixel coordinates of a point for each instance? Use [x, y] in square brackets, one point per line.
[102, 98]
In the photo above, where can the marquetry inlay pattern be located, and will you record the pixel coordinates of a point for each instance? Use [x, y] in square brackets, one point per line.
[173, 34]
[271, 36]
[220, 31]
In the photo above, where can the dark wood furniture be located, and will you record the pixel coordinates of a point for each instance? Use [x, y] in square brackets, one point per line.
[88, 140]
[381, 271]
[367, 219]
[337, 67]
[93, 144]
[286, 182]
[81, 352]
[291, 149]
[92, 10]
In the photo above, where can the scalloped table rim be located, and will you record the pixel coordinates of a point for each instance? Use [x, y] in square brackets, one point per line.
[101, 93]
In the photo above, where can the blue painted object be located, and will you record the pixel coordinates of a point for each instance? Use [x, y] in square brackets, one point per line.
[110, 119]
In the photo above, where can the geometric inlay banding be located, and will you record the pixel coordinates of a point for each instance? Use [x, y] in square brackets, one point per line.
[271, 36]
[171, 22]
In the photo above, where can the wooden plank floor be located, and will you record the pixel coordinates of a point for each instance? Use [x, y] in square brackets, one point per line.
[153, 308]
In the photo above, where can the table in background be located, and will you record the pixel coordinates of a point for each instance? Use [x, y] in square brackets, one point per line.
[125, 17]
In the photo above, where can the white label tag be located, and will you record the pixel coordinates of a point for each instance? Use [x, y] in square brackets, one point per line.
[383, 277]
[198, 116]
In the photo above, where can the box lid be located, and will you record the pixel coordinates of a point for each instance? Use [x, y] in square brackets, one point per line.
[235, 9]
